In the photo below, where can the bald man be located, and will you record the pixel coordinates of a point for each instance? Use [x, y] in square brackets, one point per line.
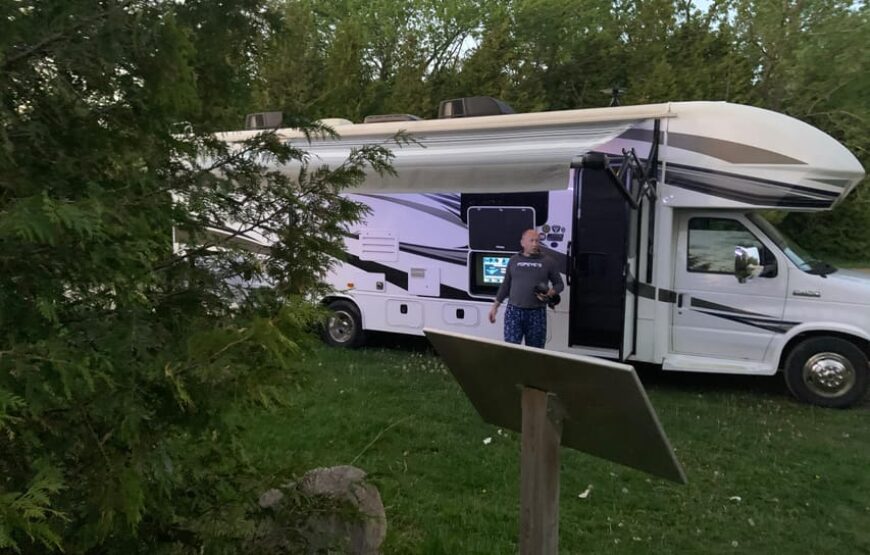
[526, 313]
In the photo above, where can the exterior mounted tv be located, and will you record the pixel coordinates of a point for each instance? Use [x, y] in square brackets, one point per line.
[487, 271]
[473, 106]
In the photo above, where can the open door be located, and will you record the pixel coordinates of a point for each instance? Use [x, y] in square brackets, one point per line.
[609, 210]
[599, 264]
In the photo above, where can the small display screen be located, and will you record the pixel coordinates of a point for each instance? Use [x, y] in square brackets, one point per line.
[494, 268]
[487, 271]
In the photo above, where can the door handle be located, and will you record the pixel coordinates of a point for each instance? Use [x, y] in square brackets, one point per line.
[679, 300]
[569, 263]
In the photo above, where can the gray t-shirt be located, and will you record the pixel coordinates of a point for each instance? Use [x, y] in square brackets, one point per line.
[523, 273]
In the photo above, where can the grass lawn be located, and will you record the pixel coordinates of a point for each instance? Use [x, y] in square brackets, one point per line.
[766, 474]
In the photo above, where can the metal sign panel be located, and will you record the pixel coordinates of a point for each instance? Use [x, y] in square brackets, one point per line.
[606, 410]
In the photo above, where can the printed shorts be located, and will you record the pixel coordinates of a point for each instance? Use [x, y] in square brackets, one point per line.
[528, 323]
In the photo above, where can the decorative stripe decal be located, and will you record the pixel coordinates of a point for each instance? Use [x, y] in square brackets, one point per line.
[400, 278]
[641, 289]
[776, 326]
[646, 291]
[746, 189]
[667, 296]
[392, 275]
[736, 153]
[756, 180]
[841, 183]
[457, 256]
[785, 201]
[455, 294]
[701, 303]
[450, 216]
[451, 202]
[754, 319]
[460, 258]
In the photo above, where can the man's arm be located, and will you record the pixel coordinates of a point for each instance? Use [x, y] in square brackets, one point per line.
[555, 279]
[503, 292]
[505, 288]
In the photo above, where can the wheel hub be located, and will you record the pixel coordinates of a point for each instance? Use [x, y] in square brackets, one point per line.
[341, 327]
[829, 374]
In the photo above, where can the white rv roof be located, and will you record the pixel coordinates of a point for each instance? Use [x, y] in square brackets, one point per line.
[483, 123]
[747, 155]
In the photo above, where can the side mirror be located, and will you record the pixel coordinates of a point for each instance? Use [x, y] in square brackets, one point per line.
[747, 263]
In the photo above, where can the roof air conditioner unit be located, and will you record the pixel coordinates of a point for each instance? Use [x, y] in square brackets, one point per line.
[264, 120]
[472, 106]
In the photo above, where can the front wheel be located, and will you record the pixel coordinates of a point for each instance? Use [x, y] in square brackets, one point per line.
[828, 371]
[344, 326]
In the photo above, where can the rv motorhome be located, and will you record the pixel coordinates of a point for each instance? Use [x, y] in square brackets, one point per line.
[656, 214]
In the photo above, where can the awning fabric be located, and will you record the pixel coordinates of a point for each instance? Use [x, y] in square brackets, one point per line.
[508, 153]
[505, 160]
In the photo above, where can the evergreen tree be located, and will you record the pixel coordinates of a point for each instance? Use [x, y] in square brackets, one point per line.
[129, 332]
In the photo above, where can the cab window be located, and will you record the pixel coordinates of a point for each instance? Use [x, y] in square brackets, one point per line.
[712, 242]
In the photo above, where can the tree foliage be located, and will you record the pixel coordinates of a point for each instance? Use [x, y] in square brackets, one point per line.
[805, 58]
[130, 333]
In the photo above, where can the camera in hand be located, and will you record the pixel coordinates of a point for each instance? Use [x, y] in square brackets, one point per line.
[542, 288]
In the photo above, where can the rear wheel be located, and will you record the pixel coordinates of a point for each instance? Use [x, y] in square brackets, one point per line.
[828, 371]
[344, 326]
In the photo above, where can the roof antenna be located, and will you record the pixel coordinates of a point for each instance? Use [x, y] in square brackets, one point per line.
[615, 92]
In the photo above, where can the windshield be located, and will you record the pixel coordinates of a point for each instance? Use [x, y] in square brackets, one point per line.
[799, 257]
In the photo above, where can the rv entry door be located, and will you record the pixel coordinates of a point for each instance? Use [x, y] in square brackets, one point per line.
[600, 265]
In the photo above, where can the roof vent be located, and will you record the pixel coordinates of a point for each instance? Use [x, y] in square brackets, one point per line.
[383, 118]
[472, 106]
[334, 122]
[264, 120]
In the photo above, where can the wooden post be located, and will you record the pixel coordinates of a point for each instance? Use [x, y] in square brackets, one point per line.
[539, 473]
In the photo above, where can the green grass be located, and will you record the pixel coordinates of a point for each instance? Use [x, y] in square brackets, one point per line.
[766, 474]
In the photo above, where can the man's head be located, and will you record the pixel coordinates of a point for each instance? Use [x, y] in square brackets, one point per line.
[529, 242]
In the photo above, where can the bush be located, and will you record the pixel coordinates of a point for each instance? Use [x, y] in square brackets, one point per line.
[123, 353]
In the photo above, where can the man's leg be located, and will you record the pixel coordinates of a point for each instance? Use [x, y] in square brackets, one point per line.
[536, 327]
[513, 324]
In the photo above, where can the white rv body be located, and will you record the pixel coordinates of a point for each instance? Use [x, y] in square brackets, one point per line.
[411, 264]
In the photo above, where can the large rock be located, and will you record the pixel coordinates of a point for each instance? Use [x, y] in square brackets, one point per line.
[343, 514]
[360, 527]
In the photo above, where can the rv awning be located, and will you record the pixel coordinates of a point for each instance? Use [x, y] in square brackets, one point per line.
[519, 152]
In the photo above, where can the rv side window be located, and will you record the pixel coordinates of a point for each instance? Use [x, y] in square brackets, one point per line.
[712, 242]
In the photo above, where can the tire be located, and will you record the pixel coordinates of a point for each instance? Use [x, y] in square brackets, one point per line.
[827, 371]
[343, 328]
